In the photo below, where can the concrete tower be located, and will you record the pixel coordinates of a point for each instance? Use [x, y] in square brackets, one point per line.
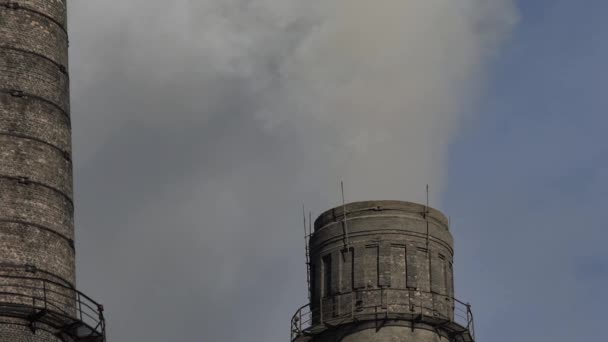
[38, 298]
[382, 271]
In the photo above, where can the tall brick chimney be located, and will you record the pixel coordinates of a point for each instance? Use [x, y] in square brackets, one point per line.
[38, 298]
[382, 271]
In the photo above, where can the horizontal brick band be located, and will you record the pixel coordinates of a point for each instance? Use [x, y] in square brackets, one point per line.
[25, 95]
[65, 153]
[25, 31]
[42, 249]
[60, 66]
[29, 225]
[32, 118]
[25, 182]
[37, 205]
[53, 10]
[35, 162]
[30, 74]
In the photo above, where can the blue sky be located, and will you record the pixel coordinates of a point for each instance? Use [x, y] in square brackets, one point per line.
[528, 181]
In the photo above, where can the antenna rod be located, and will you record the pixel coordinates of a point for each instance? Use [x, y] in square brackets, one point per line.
[309, 223]
[426, 217]
[306, 252]
[344, 214]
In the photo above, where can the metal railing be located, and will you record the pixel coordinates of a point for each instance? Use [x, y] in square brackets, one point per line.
[37, 299]
[455, 316]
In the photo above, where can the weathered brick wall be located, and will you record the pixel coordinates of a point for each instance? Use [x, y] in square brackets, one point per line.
[388, 333]
[388, 264]
[36, 77]
[53, 9]
[36, 34]
[26, 245]
[37, 206]
[17, 333]
[35, 119]
[36, 162]
[36, 209]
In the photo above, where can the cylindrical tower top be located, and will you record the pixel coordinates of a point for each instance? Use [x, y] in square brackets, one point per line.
[414, 223]
[379, 208]
[389, 260]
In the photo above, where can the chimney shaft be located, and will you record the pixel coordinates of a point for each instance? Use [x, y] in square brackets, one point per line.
[37, 266]
[390, 280]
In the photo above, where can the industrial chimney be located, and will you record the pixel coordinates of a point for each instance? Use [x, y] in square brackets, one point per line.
[382, 271]
[38, 298]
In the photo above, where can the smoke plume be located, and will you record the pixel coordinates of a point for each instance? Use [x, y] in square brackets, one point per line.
[376, 90]
[201, 126]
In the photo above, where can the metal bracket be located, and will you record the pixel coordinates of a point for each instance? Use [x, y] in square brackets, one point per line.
[17, 93]
[33, 318]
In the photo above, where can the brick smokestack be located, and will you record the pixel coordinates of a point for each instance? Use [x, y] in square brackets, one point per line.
[382, 271]
[38, 299]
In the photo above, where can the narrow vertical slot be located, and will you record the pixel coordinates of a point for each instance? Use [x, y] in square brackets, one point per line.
[327, 276]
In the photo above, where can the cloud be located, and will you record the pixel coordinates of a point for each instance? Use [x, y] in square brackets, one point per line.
[201, 126]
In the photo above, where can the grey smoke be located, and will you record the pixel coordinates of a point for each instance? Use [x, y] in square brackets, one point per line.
[201, 126]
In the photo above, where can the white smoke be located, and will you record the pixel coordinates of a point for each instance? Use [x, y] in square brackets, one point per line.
[381, 86]
[375, 89]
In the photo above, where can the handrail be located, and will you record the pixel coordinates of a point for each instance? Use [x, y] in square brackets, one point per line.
[58, 305]
[306, 320]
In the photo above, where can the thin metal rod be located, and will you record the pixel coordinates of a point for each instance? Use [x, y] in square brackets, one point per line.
[44, 290]
[306, 253]
[426, 214]
[345, 224]
[309, 224]
[79, 304]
